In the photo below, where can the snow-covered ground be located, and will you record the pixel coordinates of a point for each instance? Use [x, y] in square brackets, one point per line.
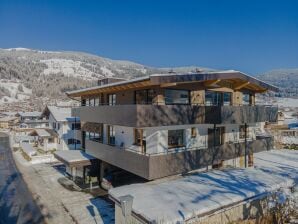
[182, 198]
[70, 68]
[15, 94]
[287, 102]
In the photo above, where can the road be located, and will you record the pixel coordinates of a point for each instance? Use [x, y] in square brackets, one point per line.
[17, 205]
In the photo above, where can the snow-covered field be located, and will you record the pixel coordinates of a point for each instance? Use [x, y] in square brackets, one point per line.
[180, 199]
[70, 68]
[15, 94]
[287, 102]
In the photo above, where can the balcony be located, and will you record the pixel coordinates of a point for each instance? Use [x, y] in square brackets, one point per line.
[154, 166]
[165, 115]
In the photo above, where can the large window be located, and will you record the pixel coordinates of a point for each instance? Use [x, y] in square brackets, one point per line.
[111, 134]
[173, 96]
[176, 138]
[112, 99]
[144, 96]
[216, 136]
[93, 136]
[213, 98]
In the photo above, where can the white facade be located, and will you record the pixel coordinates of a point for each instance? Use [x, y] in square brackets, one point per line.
[66, 132]
[157, 137]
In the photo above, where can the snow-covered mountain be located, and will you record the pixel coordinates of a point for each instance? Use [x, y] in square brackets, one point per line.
[51, 73]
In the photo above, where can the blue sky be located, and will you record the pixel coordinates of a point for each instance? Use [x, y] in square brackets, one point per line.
[247, 35]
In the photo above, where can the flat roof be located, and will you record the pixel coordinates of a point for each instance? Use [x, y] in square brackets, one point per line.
[158, 79]
[180, 199]
[74, 157]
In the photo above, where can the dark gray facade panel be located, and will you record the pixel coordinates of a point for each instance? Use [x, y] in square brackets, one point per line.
[182, 162]
[124, 159]
[166, 115]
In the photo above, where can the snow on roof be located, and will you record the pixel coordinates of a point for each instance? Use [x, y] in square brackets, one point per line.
[6, 119]
[28, 149]
[73, 156]
[30, 114]
[61, 113]
[42, 133]
[180, 199]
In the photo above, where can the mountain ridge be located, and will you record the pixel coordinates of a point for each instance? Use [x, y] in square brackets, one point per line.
[48, 74]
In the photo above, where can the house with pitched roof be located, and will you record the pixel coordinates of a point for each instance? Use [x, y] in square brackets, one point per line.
[64, 125]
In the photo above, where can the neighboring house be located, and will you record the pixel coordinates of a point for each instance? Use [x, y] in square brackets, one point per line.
[32, 120]
[46, 139]
[161, 125]
[66, 127]
[8, 122]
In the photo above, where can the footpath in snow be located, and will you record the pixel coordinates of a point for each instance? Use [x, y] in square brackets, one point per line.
[181, 198]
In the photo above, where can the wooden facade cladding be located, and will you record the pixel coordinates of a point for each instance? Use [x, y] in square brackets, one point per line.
[165, 115]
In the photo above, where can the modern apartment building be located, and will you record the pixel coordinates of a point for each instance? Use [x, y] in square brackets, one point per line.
[166, 124]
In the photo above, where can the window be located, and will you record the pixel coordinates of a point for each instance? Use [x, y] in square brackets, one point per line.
[193, 132]
[177, 96]
[92, 102]
[112, 99]
[213, 98]
[76, 126]
[73, 141]
[216, 136]
[144, 96]
[175, 138]
[138, 134]
[83, 102]
[93, 136]
[242, 132]
[96, 103]
[58, 126]
[245, 98]
[227, 99]
[54, 125]
[111, 134]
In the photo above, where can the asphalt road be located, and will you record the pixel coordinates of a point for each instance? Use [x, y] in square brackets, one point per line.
[16, 202]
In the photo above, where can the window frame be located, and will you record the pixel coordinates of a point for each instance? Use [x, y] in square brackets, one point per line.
[173, 90]
[182, 134]
[111, 130]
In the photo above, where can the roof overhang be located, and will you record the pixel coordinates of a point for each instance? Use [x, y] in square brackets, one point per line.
[74, 158]
[237, 80]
